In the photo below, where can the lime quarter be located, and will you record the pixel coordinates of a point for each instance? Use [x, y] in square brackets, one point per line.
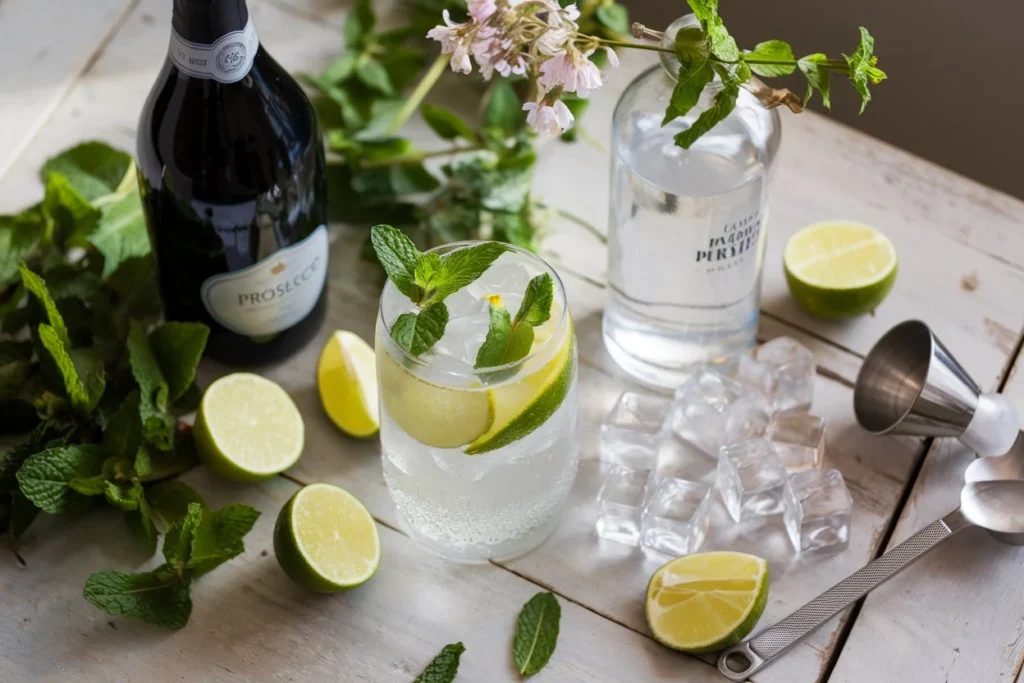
[248, 428]
[326, 540]
[839, 269]
[707, 601]
[346, 377]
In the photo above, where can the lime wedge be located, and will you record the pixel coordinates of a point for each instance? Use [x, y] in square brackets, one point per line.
[436, 416]
[347, 379]
[839, 269]
[326, 540]
[520, 407]
[248, 428]
[707, 601]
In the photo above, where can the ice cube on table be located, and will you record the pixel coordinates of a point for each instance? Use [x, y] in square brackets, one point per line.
[633, 429]
[759, 380]
[817, 511]
[675, 518]
[751, 479]
[710, 410]
[792, 366]
[799, 440]
[682, 460]
[620, 503]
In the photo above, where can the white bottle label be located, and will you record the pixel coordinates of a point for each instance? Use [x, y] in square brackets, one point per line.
[272, 295]
[228, 60]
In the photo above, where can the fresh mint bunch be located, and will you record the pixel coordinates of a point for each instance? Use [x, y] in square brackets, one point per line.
[510, 339]
[197, 541]
[427, 279]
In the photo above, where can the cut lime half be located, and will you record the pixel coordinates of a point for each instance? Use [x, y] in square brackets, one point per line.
[326, 540]
[707, 601]
[248, 428]
[346, 377]
[839, 269]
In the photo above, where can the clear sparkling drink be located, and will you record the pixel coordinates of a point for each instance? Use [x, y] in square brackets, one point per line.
[479, 463]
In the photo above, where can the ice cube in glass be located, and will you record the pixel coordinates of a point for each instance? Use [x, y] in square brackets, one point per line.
[710, 410]
[675, 518]
[799, 440]
[792, 367]
[759, 380]
[817, 511]
[682, 460]
[620, 502]
[751, 479]
[631, 433]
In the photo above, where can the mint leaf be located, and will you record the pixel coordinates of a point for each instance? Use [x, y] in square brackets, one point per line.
[143, 464]
[399, 256]
[123, 497]
[341, 68]
[35, 284]
[444, 667]
[704, 10]
[536, 307]
[692, 79]
[178, 348]
[418, 332]
[374, 76]
[359, 24]
[157, 425]
[69, 214]
[140, 520]
[723, 105]
[19, 235]
[510, 340]
[169, 500]
[771, 50]
[446, 123]
[83, 381]
[93, 169]
[613, 17]
[181, 458]
[179, 537]
[463, 266]
[159, 597]
[499, 336]
[45, 478]
[817, 74]
[43, 436]
[89, 486]
[723, 45]
[218, 538]
[120, 233]
[536, 633]
[863, 69]
[122, 435]
[504, 111]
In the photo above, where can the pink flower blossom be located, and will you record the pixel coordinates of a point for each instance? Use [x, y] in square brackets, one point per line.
[447, 35]
[552, 41]
[552, 118]
[571, 70]
[481, 10]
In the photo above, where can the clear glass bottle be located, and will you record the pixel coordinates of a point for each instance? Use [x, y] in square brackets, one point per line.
[687, 229]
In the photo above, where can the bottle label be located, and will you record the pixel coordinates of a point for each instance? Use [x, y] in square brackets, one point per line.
[227, 60]
[274, 294]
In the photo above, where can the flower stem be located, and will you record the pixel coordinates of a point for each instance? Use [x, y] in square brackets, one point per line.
[636, 46]
[418, 157]
[422, 88]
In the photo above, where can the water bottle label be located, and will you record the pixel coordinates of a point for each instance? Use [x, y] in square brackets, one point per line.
[227, 60]
[728, 255]
[274, 294]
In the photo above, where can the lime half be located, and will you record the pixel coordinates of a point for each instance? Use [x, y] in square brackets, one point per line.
[707, 601]
[326, 540]
[347, 379]
[839, 269]
[248, 428]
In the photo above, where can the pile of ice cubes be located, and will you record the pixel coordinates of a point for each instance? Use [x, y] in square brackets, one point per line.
[744, 430]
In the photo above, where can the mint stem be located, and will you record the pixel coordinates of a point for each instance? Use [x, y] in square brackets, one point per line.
[419, 156]
[422, 88]
[635, 46]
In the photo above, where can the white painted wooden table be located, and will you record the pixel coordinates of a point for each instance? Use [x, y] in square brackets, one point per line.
[77, 70]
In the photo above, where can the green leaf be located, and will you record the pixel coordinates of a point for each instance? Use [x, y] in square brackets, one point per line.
[85, 393]
[178, 348]
[862, 67]
[45, 477]
[817, 75]
[463, 266]
[89, 486]
[692, 79]
[181, 458]
[93, 169]
[723, 105]
[159, 597]
[418, 332]
[140, 521]
[382, 112]
[43, 436]
[373, 74]
[120, 234]
[35, 284]
[169, 500]
[123, 433]
[360, 24]
[723, 45]
[505, 342]
[504, 109]
[218, 538]
[398, 255]
[613, 17]
[775, 51]
[179, 537]
[692, 45]
[19, 235]
[123, 497]
[704, 10]
[143, 465]
[444, 667]
[536, 633]
[157, 424]
[71, 216]
[341, 68]
[536, 307]
[447, 124]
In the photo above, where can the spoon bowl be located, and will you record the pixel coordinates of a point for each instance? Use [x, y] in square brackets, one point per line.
[997, 506]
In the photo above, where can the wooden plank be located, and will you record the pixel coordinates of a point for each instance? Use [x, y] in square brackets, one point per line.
[44, 57]
[250, 622]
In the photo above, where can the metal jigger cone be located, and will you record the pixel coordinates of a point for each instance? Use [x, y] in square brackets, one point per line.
[911, 384]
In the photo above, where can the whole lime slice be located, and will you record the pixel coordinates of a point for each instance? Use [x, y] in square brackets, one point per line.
[326, 540]
[248, 428]
[707, 601]
[839, 269]
[346, 377]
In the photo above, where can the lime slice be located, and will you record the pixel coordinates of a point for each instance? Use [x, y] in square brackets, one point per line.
[520, 407]
[839, 269]
[707, 601]
[248, 428]
[436, 416]
[326, 540]
[347, 379]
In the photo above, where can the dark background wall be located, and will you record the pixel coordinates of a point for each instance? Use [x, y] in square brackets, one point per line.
[955, 93]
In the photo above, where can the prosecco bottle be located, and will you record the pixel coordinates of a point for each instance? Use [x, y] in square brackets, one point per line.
[231, 170]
